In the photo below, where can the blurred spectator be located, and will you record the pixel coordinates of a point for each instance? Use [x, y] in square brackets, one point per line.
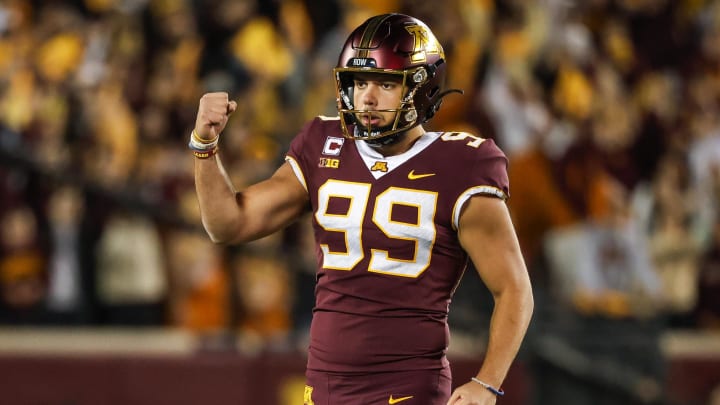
[603, 273]
[66, 299]
[610, 272]
[265, 297]
[708, 303]
[199, 299]
[131, 279]
[23, 281]
[674, 245]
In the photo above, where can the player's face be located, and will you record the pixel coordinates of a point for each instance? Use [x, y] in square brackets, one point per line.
[374, 92]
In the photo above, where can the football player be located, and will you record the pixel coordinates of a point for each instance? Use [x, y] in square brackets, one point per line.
[397, 212]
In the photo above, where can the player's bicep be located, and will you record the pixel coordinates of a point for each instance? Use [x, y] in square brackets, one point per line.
[487, 234]
[272, 204]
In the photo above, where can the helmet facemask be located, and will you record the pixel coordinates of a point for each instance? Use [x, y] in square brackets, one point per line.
[406, 116]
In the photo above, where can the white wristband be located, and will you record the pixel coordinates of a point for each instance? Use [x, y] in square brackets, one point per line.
[198, 144]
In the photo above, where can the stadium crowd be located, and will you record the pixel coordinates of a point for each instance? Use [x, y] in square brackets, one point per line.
[609, 111]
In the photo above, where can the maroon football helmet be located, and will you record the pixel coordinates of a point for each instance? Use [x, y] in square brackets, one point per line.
[394, 44]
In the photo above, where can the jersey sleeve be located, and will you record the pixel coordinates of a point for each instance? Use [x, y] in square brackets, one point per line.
[295, 156]
[489, 177]
[490, 171]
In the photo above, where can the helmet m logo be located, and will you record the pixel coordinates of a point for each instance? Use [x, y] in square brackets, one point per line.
[424, 43]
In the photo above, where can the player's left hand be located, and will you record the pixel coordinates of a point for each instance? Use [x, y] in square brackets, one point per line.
[472, 394]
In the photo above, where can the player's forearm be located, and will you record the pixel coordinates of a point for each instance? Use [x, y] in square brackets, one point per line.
[508, 325]
[217, 197]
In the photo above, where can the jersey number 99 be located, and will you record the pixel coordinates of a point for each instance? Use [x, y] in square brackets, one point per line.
[422, 232]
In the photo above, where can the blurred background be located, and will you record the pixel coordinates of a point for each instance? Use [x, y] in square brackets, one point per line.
[111, 293]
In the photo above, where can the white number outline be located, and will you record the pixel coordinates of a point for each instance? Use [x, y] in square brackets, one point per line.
[459, 136]
[357, 193]
[423, 233]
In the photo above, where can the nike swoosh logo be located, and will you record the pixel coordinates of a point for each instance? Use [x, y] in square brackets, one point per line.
[396, 400]
[413, 176]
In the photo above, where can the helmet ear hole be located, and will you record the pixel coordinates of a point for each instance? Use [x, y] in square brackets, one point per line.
[351, 95]
[432, 109]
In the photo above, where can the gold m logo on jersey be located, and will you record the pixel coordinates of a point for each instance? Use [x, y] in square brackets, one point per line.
[331, 163]
[379, 167]
[425, 43]
[307, 396]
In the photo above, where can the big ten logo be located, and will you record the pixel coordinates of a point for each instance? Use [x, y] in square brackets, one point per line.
[328, 162]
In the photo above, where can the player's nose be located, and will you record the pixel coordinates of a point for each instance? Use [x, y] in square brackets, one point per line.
[369, 96]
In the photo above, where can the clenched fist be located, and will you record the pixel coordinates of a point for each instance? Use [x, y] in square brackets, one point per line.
[213, 113]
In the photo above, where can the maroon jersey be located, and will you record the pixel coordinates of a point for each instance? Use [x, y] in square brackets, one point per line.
[388, 254]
